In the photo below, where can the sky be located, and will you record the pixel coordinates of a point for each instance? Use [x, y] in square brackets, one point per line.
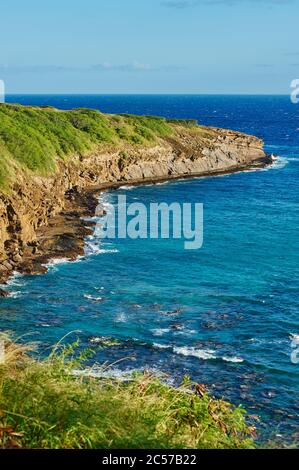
[149, 46]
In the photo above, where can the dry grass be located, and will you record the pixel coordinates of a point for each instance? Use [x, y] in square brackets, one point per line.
[44, 405]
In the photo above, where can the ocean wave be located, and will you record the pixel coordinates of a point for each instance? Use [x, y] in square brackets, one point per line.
[185, 331]
[121, 317]
[278, 163]
[54, 263]
[126, 187]
[94, 243]
[160, 331]
[125, 374]
[162, 346]
[94, 247]
[294, 337]
[93, 298]
[199, 353]
[17, 279]
[14, 294]
[107, 206]
[57, 261]
[204, 354]
[232, 359]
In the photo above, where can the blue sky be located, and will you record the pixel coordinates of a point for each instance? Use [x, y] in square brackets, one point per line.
[149, 46]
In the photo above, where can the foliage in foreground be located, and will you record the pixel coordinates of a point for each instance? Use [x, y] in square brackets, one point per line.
[44, 405]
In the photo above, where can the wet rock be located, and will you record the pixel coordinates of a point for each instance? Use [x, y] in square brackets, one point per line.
[4, 293]
[177, 326]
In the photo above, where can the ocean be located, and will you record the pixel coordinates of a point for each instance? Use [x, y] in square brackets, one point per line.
[225, 314]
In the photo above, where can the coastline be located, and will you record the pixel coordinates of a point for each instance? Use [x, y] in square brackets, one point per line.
[64, 235]
[47, 190]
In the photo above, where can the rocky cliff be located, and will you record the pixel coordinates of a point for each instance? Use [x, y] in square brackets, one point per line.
[40, 214]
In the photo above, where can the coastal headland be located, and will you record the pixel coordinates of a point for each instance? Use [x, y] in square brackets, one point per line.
[55, 163]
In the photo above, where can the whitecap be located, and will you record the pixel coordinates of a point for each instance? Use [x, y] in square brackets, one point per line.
[13, 294]
[185, 331]
[277, 163]
[233, 359]
[107, 206]
[160, 331]
[93, 247]
[121, 318]
[16, 294]
[161, 346]
[205, 354]
[199, 353]
[294, 337]
[56, 261]
[91, 297]
[17, 279]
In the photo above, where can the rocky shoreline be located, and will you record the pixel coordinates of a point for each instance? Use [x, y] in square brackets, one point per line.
[43, 218]
[64, 235]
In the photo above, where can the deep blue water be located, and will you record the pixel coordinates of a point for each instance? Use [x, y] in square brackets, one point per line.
[223, 314]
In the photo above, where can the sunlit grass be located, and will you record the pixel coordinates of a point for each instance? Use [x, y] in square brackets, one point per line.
[44, 405]
[35, 138]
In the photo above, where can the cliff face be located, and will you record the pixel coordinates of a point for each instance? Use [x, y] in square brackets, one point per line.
[40, 216]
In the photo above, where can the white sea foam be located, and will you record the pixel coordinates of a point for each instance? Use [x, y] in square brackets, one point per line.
[185, 331]
[17, 279]
[161, 346]
[93, 247]
[294, 337]
[200, 353]
[126, 374]
[91, 297]
[93, 243]
[278, 163]
[57, 261]
[126, 187]
[160, 331]
[232, 359]
[107, 206]
[54, 263]
[204, 354]
[16, 294]
[121, 317]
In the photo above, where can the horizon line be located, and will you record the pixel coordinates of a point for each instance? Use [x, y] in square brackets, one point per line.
[144, 94]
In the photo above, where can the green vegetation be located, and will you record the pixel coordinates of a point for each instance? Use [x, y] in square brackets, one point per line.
[35, 138]
[44, 404]
[183, 122]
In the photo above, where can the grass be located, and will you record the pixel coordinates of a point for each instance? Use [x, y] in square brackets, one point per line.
[44, 405]
[35, 138]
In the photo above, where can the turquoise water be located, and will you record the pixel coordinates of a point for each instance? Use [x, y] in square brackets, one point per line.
[224, 314]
